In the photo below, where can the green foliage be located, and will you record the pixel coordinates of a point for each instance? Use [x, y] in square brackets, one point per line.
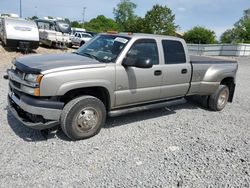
[101, 24]
[138, 25]
[125, 16]
[160, 20]
[76, 24]
[241, 31]
[33, 18]
[228, 36]
[200, 35]
[67, 20]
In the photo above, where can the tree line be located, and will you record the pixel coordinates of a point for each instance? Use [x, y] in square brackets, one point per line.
[161, 20]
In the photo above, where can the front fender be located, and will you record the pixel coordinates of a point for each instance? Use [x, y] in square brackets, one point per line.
[68, 86]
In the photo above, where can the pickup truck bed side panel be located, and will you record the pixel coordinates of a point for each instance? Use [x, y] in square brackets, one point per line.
[208, 74]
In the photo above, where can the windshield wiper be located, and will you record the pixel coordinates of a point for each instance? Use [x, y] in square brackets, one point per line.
[92, 56]
[87, 54]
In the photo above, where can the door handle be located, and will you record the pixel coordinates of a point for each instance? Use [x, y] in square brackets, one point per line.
[184, 71]
[158, 73]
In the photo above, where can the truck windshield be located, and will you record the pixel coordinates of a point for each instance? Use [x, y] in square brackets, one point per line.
[104, 48]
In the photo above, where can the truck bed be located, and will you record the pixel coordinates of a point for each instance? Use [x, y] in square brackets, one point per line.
[208, 72]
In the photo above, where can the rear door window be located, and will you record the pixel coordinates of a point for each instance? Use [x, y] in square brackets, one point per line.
[173, 52]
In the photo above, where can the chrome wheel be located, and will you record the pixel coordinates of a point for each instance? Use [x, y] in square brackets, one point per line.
[87, 119]
[223, 98]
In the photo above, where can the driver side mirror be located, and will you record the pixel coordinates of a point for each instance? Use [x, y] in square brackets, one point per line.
[144, 63]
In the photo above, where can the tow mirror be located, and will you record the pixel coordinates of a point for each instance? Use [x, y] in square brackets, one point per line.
[144, 63]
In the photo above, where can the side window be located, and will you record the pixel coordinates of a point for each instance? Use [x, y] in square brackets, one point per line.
[40, 25]
[52, 27]
[85, 35]
[173, 52]
[144, 48]
[46, 26]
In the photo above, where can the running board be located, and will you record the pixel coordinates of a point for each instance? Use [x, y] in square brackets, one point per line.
[129, 110]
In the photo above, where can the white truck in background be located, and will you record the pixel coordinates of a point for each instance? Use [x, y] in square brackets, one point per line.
[80, 38]
[54, 33]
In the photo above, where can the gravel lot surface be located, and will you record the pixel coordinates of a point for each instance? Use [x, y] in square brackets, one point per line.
[180, 146]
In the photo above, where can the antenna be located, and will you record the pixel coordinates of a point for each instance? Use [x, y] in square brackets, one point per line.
[83, 14]
[20, 8]
[36, 11]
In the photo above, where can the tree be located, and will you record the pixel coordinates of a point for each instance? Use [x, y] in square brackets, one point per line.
[67, 20]
[228, 36]
[76, 24]
[124, 15]
[33, 18]
[200, 35]
[101, 24]
[138, 25]
[160, 20]
[241, 31]
[242, 28]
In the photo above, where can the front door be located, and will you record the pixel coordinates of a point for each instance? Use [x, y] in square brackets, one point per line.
[139, 85]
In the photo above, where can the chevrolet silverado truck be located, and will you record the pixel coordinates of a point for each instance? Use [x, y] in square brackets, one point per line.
[112, 75]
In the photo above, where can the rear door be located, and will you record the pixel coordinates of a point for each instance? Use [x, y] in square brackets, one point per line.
[176, 71]
[139, 85]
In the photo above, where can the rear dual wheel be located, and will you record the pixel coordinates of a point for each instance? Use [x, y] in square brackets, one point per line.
[219, 99]
[216, 102]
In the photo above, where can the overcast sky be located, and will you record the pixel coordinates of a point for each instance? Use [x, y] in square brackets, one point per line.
[217, 15]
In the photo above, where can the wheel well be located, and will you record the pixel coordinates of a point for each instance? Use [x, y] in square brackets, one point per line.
[98, 92]
[229, 82]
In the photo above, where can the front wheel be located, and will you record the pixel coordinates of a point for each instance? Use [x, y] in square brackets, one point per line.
[70, 45]
[82, 43]
[83, 117]
[219, 99]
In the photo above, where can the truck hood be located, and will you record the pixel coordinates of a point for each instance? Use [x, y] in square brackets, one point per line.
[36, 64]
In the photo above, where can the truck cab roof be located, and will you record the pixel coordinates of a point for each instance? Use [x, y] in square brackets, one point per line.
[145, 35]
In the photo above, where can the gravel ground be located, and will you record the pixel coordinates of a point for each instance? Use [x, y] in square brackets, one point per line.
[180, 146]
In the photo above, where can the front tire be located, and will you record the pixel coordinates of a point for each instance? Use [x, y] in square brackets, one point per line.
[219, 99]
[70, 45]
[83, 117]
[82, 43]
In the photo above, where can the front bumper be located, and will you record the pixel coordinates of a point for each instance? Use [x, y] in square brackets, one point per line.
[35, 113]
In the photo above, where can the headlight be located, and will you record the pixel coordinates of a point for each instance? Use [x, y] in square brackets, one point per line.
[33, 78]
